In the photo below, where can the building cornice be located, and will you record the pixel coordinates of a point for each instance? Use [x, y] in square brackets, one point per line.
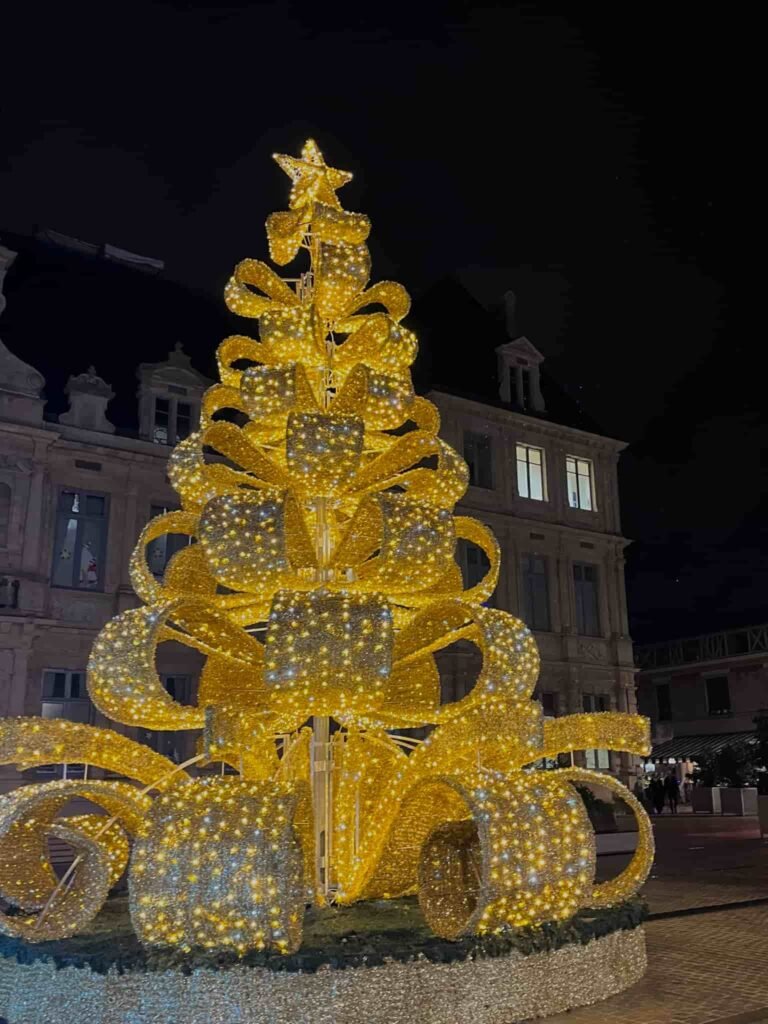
[94, 441]
[507, 417]
[541, 524]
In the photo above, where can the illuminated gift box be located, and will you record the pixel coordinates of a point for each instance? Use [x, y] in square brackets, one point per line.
[330, 653]
[219, 866]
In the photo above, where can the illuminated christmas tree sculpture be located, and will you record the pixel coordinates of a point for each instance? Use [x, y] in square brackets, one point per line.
[321, 582]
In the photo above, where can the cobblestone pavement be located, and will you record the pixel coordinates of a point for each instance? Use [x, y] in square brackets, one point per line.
[705, 968]
[701, 969]
[702, 860]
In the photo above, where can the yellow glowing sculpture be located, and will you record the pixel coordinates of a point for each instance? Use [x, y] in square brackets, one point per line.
[322, 582]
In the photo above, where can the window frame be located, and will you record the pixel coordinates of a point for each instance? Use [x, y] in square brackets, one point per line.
[597, 759]
[82, 517]
[69, 769]
[542, 466]
[473, 439]
[156, 509]
[554, 695]
[667, 716]
[590, 463]
[168, 741]
[173, 405]
[526, 580]
[463, 549]
[723, 712]
[579, 601]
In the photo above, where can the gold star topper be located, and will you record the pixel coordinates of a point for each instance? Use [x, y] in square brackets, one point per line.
[313, 180]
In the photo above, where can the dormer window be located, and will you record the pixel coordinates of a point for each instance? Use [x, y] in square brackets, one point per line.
[170, 394]
[525, 387]
[519, 379]
[173, 421]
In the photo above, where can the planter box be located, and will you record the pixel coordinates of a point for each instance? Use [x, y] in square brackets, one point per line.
[762, 813]
[738, 801]
[706, 799]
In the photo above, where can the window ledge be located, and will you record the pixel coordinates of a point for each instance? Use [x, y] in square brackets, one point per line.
[77, 590]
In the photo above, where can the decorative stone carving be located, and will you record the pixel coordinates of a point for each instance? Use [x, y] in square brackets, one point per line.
[592, 650]
[17, 462]
[81, 611]
[88, 395]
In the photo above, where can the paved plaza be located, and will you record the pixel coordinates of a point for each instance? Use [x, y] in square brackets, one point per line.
[708, 955]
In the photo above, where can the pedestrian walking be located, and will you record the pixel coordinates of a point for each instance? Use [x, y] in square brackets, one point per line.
[672, 792]
[641, 792]
[687, 789]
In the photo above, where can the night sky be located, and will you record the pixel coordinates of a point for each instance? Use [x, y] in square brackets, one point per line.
[585, 158]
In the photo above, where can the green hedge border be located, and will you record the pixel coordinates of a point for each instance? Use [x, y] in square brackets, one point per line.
[361, 948]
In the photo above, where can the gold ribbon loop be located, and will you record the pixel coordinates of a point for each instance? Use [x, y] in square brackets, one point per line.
[626, 884]
[245, 302]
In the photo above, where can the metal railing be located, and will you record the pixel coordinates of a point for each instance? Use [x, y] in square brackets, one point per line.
[709, 647]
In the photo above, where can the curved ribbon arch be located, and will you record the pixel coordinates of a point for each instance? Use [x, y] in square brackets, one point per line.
[242, 300]
[122, 680]
[615, 890]
[31, 742]
[27, 817]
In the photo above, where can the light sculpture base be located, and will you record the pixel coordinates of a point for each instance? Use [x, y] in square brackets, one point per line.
[490, 990]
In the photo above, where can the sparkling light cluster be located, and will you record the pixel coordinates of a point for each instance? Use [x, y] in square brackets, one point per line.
[218, 865]
[492, 990]
[322, 582]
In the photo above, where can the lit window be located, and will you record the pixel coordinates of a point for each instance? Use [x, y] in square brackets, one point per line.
[474, 565]
[81, 536]
[162, 549]
[533, 572]
[585, 588]
[64, 696]
[597, 760]
[477, 453]
[173, 420]
[531, 482]
[718, 695]
[580, 483]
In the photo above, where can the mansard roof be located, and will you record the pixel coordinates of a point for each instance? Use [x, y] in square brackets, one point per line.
[71, 305]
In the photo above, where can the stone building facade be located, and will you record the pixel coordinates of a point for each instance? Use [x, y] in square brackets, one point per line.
[550, 494]
[703, 693]
[75, 493]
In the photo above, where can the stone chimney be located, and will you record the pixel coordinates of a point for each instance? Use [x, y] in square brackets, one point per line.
[88, 399]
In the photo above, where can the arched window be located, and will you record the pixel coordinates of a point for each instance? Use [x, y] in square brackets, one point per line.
[5, 513]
